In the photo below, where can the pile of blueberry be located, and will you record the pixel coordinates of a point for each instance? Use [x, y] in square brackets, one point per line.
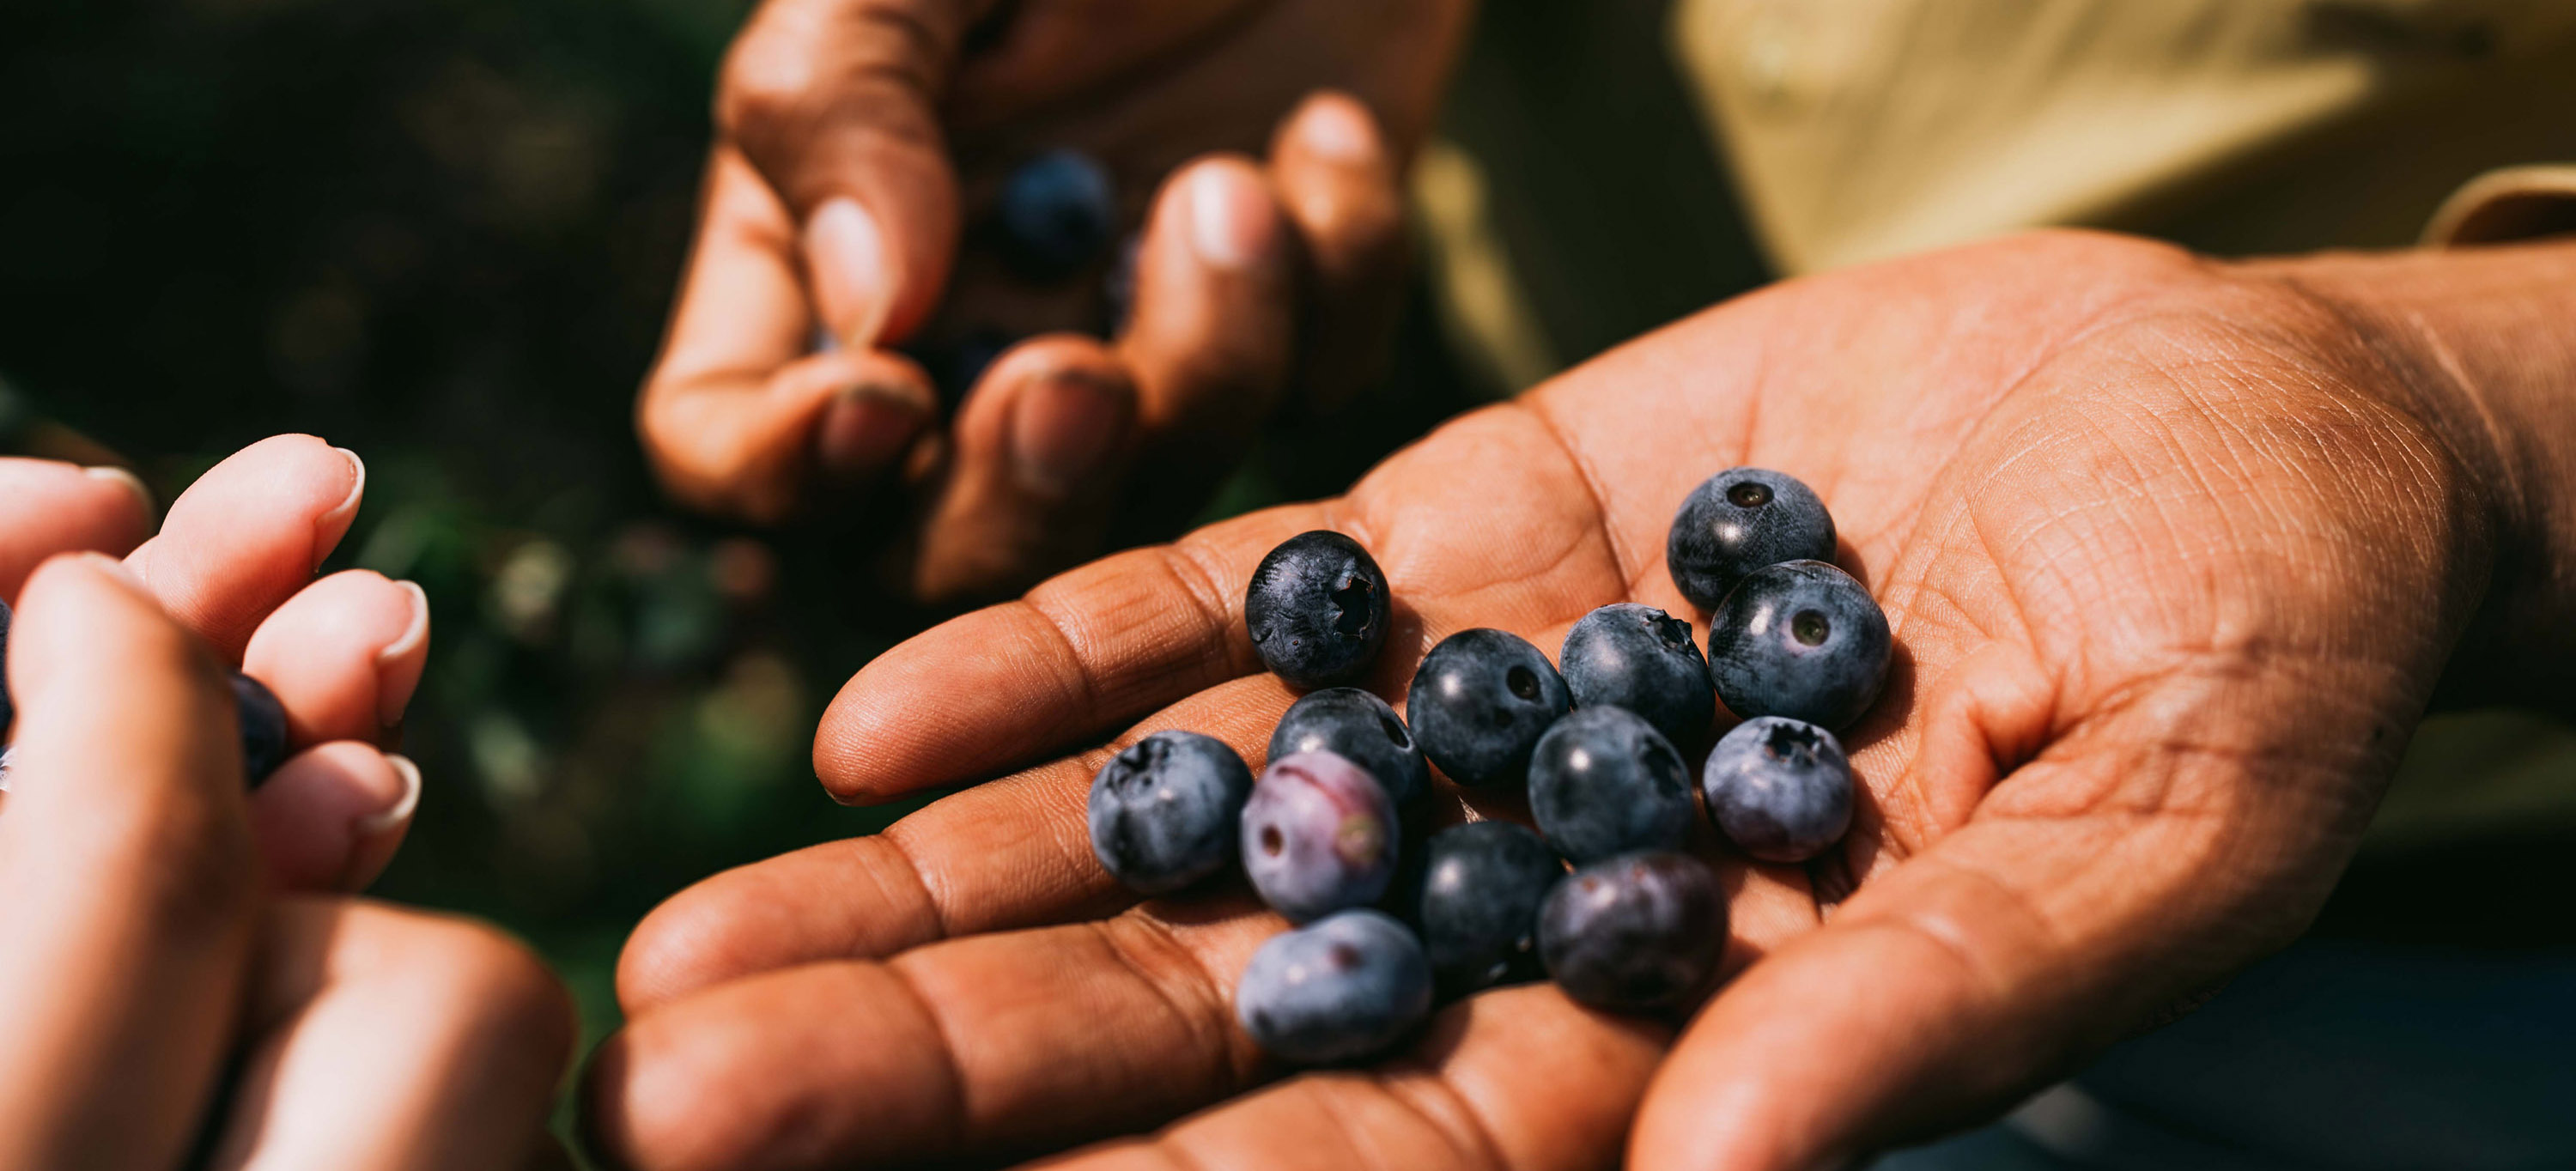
[263, 719]
[1796, 649]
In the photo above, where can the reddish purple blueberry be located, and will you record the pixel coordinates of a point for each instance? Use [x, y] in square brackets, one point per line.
[1319, 836]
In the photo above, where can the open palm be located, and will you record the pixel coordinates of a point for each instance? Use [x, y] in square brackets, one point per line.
[2173, 556]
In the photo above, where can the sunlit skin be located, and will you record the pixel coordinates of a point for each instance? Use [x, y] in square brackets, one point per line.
[2176, 554]
[179, 970]
[1256, 149]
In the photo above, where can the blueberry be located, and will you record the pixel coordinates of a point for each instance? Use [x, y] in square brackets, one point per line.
[1639, 932]
[1738, 521]
[1479, 703]
[7, 709]
[1365, 731]
[1799, 639]
[1339, 989]
[263, 728]
[1168, 810]
[1603, 781]
[1640, 658]
[1058, 212]
[1318, 836]
[1477, 903]
[1780, 788]
[1317, 609]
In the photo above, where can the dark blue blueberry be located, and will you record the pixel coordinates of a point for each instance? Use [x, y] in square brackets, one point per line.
[1640, 658]
[1364, 730]
[1637, 932]
[1781, 789]
[1479, 703]
[1738, 521]
[1336, 990]
[1318, 836]
[263, 728]
[1058, 213]
[1168, 810]
[1477, 903]
[1799, 639]
[7, 709]
[1317, 608]
[1603, 781]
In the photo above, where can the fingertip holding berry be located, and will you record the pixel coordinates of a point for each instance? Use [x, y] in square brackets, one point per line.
[1637, 933]
[1342, 988]
[1480, 702]
[1058, 213]
[1364, 730]
[1166, 811]
[263, 728]
[1640, 658]
[1738, 521]
[1319, 836]
[1317, 609]
[1800, 639]
[1603, 781]
[1477, 903]
[1780, 789]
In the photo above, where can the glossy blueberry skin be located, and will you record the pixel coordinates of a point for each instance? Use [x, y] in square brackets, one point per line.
[7, 709]
[1780, 789]
[1738, 521]
[1317, 609]
[1058, 213]
[1799, 639]
[1603, 781]
[1642, 659]
[1479, 703]
[263, 728]
[1319, 836]
[1477, 902]
[1339, 989]
[1365, 731]
[1168, 811]
[1636, 933]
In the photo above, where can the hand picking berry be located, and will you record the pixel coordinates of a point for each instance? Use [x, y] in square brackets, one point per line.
[1637, 932]
[1800, 639]
[1477, 903]
[1365, 731]
[1319, 836]
[263, 728]
[1167, 810]
[1642, 659]
[1603, 781]
[1338, 989]
[1479, 703]
[1738, 521]
[1317, 609]
[1058, 213]
[1779, 788]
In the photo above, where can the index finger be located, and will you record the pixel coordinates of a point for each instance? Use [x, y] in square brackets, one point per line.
[48, 507]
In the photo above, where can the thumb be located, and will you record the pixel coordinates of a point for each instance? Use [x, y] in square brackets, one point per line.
[835, 102]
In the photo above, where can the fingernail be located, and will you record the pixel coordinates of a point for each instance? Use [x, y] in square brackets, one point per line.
[845, 256]
[1338, 128]
[333, 525]
[397, 804]
[1063, 428]
[398, 666]
[1231, 221]
[130, 482]
[866, 427]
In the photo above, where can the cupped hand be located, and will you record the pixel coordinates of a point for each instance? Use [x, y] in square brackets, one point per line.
[2174, 553]
[164, 1007]
[861, 147]
[233, 562]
